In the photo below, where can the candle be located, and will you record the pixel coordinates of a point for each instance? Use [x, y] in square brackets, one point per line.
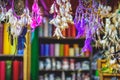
[8, 70]
[66, 50]
[2, 70]
[35, 55]
[15, 70]
[6, 42]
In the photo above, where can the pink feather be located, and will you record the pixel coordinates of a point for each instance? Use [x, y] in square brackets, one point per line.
[36, 17]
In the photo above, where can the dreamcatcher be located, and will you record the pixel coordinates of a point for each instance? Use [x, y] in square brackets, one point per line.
[14, 21]
[36, 15]
[111, 38]
[18, 26]
[18, 22]
[87, 22]
[61, 9]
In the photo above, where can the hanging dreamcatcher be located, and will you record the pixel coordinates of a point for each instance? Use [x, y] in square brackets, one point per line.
[111, 37]
[36, 15]
[61, 9]
[14, 21]
[87, 22]
[18, 24]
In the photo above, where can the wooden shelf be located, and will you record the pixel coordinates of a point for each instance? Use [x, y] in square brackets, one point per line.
[82, 58]
[109, 75]
[11, 57]
[62, 41]
[105, 76]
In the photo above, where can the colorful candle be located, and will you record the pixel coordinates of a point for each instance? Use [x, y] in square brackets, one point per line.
[15, 70]
[52, 49]
[66, 50]
[61, 50]
[6, 42]
[42, 49]
[8, 70]
[35, 55]
[3, 70]
[21, 71]
[27, 57]
[57, 49]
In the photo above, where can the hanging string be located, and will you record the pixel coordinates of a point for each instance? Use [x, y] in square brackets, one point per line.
[26, 3]
[45, 7]
[14, 10]
[55, 13]
[13, 5]
[36, 1]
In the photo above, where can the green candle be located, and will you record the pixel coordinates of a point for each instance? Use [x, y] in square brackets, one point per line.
[61, 50]
[8, 70]
[35, 55]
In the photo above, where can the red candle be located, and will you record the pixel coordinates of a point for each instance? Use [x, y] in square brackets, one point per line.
[87, 53]
[73, 31]
[2, 70]
[16, 70]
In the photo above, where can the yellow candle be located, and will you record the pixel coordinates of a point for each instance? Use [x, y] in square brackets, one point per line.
[27, 57]
[6, 41]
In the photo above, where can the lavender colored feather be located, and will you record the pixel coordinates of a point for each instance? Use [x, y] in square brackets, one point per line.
[87, 45]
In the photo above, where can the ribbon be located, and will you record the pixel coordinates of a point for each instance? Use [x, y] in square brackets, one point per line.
[14, 10]
[26, 3]
[13, 5]
[44, 6]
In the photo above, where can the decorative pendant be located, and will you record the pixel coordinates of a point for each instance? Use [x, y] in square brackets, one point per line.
[61, 9]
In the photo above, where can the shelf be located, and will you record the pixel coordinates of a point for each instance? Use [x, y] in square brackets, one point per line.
[11, 57]
[42, 57]
[64, 70]
[109, 75]
[63, 41]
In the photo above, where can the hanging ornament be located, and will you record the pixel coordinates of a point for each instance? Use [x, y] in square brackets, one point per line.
[13, 21]
[17, 22]
[111, 37]
[61, 9]
[18, 26]
[25, 22]
[25, 17]
[87, 22]
[111, 33]
[2, 12]
[36, 15]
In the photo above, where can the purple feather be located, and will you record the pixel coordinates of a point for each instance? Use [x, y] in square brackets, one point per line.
[87, 45]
